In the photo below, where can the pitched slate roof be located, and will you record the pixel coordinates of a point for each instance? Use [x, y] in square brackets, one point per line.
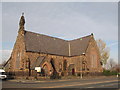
[46, 44]
[79, 46]
[42, 43]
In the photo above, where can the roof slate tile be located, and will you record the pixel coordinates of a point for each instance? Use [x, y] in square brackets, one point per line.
[35, 42]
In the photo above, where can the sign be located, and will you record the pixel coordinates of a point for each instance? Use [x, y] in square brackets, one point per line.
[38, 69]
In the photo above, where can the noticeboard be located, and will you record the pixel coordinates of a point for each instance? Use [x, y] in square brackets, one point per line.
[38, 69]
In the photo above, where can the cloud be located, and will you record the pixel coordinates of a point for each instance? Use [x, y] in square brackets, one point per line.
[64, 20]
[113, 44]
[0, 24]
[5, 55]
[74, 26]
[60, 0]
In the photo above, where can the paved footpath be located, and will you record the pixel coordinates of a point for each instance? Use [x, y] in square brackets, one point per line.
[97, 82]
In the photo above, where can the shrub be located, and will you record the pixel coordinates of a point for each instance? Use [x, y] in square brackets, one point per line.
[108, 72]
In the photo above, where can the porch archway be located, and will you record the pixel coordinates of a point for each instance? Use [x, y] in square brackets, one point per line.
[46, 68]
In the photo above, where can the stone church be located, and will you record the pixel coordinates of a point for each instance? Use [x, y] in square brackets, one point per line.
[66, 57]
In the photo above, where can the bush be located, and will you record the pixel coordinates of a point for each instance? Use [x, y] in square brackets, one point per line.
[109, 73]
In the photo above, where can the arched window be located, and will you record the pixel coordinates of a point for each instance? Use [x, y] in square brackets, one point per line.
[65, 65]
[18, 60]
[60, 67]
[45, 68]
[93, 61]
[83, 65]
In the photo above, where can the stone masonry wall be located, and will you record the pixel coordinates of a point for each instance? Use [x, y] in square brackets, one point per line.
[18, 53]
[19, 58]
[93, 50]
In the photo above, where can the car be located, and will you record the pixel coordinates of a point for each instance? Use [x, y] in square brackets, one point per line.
[3, 75]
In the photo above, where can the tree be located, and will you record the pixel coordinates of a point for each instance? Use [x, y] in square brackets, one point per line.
[104, 51]
[111, 64]
[117, 68]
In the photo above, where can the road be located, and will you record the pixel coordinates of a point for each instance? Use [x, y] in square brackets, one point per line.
[111, 82]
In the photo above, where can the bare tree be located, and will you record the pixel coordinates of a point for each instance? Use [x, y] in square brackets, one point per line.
[117, 67]
[111, 64]
[104, 51]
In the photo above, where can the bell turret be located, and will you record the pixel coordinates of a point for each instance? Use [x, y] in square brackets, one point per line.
[22, 22]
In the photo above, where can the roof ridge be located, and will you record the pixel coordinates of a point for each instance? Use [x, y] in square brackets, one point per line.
[46, 35]
[80, 38]
[57, 37]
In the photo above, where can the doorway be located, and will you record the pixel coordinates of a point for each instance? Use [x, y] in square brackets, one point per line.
[73, 71]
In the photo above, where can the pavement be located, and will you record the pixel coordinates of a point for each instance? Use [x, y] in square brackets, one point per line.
[62, 79]
[94, 82]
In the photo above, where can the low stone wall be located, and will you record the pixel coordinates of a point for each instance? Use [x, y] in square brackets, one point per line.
[23, 73]
[85, 74]
[36, 76]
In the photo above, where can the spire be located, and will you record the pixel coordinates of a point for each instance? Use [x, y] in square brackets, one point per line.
[22, 22]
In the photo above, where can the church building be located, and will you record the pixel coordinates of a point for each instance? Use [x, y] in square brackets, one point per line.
[66, 57]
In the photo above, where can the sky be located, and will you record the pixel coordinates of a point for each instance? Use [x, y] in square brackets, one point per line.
[66, 20]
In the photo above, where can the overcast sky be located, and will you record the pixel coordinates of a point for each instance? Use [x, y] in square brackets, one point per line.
[63, 20]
